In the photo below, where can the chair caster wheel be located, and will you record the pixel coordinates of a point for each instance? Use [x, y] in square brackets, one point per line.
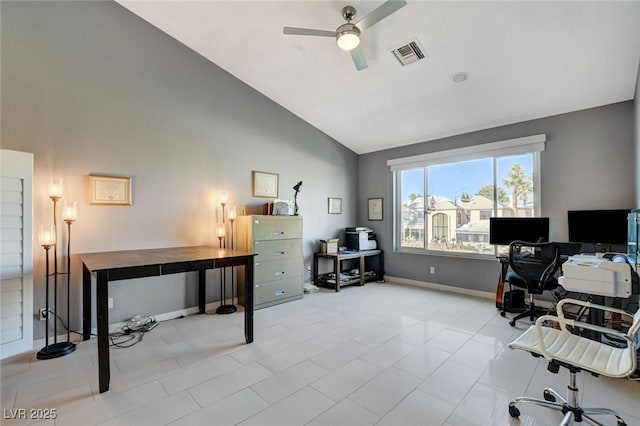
[548, 396]
[513, 411]
[512, 323]
[503, 314]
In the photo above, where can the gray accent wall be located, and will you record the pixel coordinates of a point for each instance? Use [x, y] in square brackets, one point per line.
[589, 163]
[90, 88]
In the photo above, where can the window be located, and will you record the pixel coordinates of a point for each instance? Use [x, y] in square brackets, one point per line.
[412, 209]
[440, 228]
[443, 201]
[485, 214]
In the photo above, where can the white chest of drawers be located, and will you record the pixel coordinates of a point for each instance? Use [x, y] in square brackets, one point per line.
[277, 241]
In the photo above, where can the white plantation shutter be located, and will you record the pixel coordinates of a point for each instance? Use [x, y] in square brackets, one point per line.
[16, 252]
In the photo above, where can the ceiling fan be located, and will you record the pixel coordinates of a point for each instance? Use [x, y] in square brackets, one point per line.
[348, 35]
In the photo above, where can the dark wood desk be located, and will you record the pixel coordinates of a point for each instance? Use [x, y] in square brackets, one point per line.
[128, 264]
[338, 258]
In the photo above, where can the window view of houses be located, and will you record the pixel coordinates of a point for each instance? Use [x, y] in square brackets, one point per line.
[460, 198]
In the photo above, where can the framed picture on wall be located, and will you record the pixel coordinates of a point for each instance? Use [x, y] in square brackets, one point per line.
[375, 208]
[264, 184]
[335, 205]
[110, 190]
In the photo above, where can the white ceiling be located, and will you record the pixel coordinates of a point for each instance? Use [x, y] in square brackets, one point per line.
[525, 60]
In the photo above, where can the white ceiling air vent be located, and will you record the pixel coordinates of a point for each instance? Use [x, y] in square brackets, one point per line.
[409, 53]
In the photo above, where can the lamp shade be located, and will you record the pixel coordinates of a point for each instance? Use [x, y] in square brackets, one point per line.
[232, 213]
[47, 235]
[220, 230]
[56, 187]
[69, 213]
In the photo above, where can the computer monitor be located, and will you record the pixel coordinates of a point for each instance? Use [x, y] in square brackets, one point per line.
[504, 230]
[598, 226]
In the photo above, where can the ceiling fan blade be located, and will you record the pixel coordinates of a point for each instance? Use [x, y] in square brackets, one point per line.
[358, 58]
[308, 32]
[380, 13]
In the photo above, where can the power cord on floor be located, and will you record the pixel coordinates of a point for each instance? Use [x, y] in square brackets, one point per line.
[132, 332]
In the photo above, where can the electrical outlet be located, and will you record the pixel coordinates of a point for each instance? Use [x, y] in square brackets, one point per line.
[42, 314]
[432, 269]
[110, 303]
[308, 267]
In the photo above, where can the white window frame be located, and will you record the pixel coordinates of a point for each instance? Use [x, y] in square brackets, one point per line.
[525, 145]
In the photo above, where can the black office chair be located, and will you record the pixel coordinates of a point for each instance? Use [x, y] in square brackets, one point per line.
[534, 267]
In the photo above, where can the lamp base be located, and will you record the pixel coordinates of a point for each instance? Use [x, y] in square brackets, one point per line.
[226, 309]
[56, 350]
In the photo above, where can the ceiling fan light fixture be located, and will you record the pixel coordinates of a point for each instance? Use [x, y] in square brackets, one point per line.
[348, 37]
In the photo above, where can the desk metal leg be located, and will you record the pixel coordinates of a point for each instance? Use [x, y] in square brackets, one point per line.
[248, 297]
[336, 269]
[86, 303]
[202, 290]
[314, 273]
[102, 309]
[362, 271]
[504, 269]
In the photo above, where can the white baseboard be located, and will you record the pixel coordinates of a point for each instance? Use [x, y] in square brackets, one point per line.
[441, 287]
[540, 301]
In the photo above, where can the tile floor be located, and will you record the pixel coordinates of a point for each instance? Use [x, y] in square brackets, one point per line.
[383, 354]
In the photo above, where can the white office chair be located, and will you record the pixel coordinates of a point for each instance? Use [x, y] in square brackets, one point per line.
[563, 348]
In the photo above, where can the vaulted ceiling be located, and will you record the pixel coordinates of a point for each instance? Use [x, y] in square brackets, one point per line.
[523, 60]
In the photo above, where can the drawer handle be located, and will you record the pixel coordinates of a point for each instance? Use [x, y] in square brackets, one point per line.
[279, 273]
[278, 253]
[278, 233]
[279, 293]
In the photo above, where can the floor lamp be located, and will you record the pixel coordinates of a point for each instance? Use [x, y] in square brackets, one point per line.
[232, 219]
[221, 232]
[48, 240]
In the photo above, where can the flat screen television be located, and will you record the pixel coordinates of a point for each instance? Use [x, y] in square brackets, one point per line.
[504, 230]
[598, 226]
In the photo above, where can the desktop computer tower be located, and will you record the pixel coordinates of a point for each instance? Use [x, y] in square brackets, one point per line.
[513, 300]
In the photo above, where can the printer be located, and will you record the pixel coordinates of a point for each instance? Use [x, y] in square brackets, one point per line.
[360, 238]
[597, 275]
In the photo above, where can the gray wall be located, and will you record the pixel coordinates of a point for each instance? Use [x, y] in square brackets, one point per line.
[588, 164]
[90, 88]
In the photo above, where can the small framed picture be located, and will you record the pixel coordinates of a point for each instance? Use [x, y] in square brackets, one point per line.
[335, 205]
[110, 190]
[375, 208]
[264, 184]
